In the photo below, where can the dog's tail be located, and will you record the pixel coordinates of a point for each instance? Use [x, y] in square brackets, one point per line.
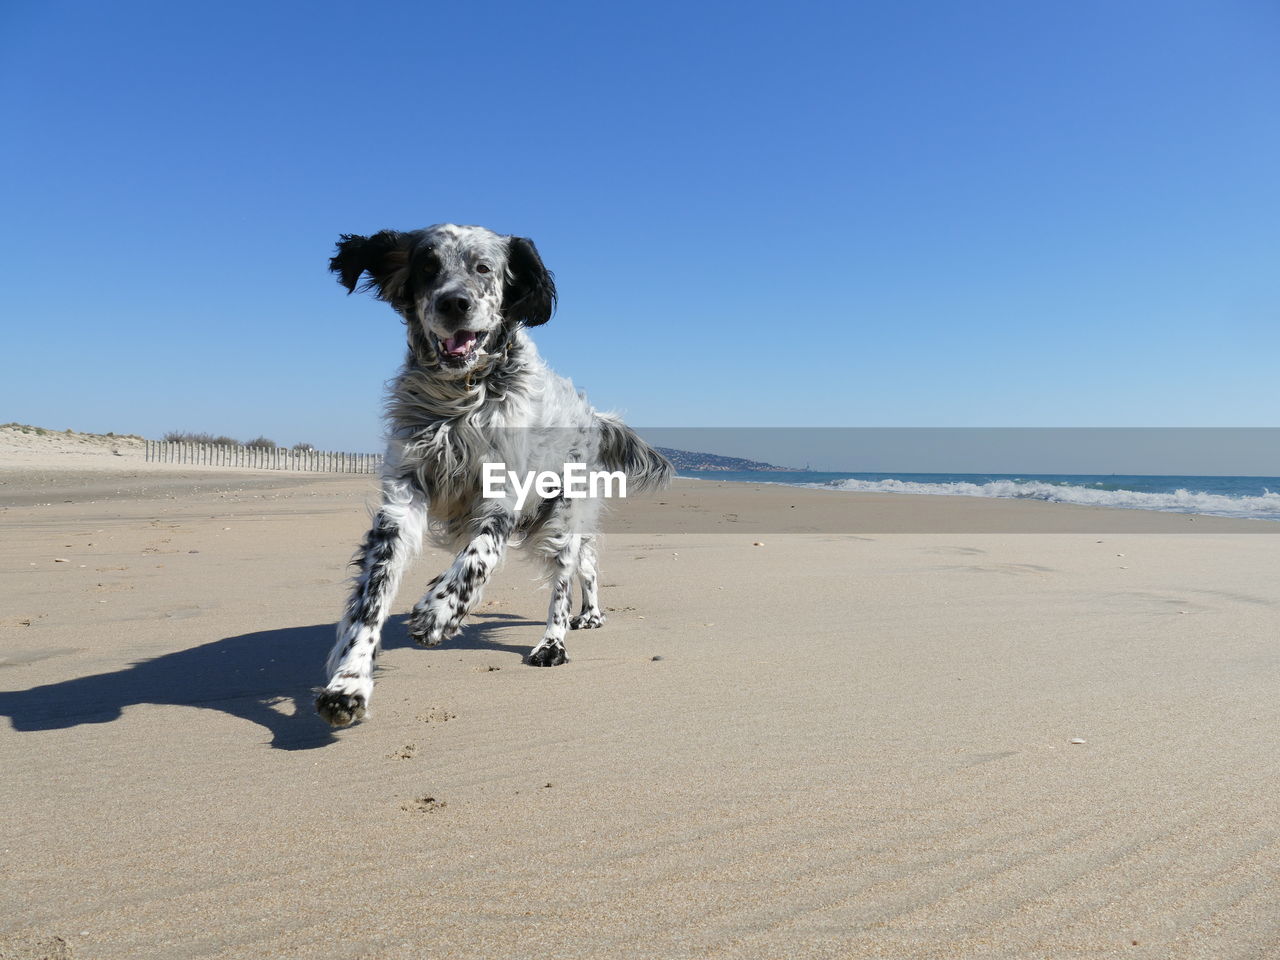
[622, 449]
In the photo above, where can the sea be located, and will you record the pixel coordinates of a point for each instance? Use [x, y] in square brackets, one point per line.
[1245, 497]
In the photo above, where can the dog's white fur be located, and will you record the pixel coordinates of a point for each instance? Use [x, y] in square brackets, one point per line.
[473, 389]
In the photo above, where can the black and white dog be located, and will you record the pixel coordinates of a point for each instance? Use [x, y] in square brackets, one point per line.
[472, 391]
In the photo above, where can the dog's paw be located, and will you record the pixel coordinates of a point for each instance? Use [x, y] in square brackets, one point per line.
[587, 620]
[429, 626]
[340, 708]
[547, 654]
[426, 632]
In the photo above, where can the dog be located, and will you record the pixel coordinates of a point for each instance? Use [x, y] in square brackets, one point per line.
[473, 391]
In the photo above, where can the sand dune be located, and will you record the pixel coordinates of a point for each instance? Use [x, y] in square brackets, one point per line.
[852, 741]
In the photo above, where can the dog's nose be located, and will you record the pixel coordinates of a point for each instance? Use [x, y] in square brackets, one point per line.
[453, 305]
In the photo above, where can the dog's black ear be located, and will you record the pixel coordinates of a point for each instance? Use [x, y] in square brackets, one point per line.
[384, 257]
[530, 295]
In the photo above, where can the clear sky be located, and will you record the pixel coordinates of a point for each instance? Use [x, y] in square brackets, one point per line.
[812, 214]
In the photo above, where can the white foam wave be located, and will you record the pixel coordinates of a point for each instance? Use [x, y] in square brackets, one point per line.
[1265, 507]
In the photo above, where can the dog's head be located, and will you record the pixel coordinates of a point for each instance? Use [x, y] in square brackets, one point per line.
[461, 290]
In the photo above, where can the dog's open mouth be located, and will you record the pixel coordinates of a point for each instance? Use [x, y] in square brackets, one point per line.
[459, 348]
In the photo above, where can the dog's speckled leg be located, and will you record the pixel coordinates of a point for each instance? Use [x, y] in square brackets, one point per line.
[394, 538]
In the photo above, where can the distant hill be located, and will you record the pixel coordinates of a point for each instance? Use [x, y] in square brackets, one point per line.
[688, 460]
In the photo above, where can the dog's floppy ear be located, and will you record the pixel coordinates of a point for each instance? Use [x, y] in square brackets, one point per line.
[530, 294]
[384, 257]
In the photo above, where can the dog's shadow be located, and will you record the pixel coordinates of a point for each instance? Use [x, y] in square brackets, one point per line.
[267, 677]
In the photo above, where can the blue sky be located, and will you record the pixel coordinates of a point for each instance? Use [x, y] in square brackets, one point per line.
[804, 214]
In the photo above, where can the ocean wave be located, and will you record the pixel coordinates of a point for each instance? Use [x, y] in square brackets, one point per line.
[1265, 507]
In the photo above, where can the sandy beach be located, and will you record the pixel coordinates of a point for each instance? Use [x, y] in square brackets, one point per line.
[901, 727]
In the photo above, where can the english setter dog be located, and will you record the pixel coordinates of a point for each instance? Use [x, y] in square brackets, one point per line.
[472, 391]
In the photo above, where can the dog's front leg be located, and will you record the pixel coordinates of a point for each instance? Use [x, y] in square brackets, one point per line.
[563, 566]
[395, 537]
[590, 615]
[450, 596]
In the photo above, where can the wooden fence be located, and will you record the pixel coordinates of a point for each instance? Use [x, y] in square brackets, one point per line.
[262, 458]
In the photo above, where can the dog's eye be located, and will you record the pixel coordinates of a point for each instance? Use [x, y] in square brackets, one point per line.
[482, 268]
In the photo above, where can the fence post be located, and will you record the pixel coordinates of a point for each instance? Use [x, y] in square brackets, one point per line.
[264, 458]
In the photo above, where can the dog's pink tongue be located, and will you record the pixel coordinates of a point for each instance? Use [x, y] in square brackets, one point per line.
[460, 343]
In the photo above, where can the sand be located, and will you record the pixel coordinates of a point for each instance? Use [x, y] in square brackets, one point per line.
[855, 740]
